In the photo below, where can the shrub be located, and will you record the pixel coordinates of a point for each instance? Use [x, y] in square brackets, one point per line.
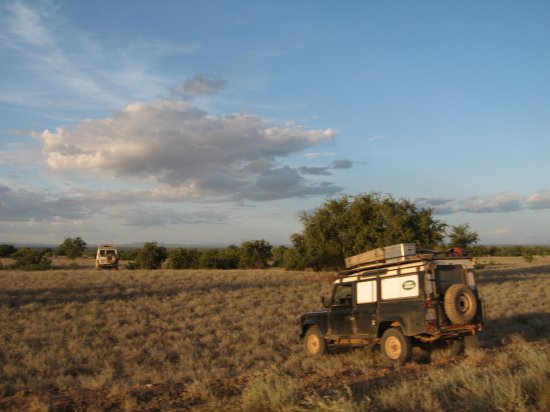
[255, 254]
[151, 256]
[7, 250]
[72, 247]
[461, 236]
[128, 254]
[273, 392]
[278, 256]
[181, 258]
[32, 259]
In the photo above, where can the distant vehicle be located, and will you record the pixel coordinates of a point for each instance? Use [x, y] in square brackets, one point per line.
[106, 257]
[399, 298]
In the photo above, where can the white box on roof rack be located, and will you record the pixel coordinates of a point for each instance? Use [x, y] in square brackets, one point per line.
[397, 253]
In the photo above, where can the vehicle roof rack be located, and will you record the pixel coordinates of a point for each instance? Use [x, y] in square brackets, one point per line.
[395, 255]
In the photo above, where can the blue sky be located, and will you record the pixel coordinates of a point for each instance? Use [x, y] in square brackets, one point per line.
[215, 122]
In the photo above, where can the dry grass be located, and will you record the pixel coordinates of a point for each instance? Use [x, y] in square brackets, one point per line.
[139, 340]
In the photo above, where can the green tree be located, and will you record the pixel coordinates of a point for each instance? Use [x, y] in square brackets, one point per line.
[278, 256]
[32, 259]
[7, 250]
[209, 259]
[461, 236]
[181, 258]
[72, 247]
[350, 225]
[151, 256]
[229, 258]
[295, 258]
[255, 254]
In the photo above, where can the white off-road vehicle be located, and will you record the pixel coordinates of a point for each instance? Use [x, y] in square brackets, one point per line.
[106, 257]
[398, 297]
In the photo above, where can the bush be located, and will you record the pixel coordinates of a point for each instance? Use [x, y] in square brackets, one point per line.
[7, 250]
[72, 247]
[181, 258]
[255, 254]
[295, 258]
[278, 256]
[32, 259]
[151, 256]
[128, 254]
[461, 236]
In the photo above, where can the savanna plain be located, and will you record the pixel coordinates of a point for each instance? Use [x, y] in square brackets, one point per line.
[78, 339]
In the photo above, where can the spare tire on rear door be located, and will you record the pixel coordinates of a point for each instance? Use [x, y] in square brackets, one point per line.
[460, 304]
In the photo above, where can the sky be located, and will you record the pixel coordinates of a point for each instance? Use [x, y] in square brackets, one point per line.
[215, 122]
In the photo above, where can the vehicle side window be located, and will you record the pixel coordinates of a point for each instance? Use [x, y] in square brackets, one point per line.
[400, 287]
[342, 294]
[366, 292]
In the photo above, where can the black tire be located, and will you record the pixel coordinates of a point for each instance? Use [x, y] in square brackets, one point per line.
[460, 304]
[314, 342]
[395, 346]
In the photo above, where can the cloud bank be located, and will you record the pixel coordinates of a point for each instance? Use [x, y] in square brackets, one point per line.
[497, 203]
[171, 142]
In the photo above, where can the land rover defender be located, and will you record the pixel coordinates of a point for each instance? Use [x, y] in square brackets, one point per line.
[398, 297]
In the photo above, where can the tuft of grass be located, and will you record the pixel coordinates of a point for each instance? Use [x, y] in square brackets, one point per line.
[271, 392]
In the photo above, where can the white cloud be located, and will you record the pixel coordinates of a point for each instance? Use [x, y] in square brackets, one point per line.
[174, 143]
[202, 84]
[156, 217]
[315, 155]
[539, 200]
[26, 23]
[19, 205]
[497, 203]
[72, 65]
[502, 202]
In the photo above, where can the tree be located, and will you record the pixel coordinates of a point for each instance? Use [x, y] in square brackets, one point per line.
[32, 259]
[151, 256]
[295, 258]
[461, 236]
[229, 258]
[72, 247]
[350, 225]
[7, 250]
[209, 259]
[181, 258]
[278, 256]
[255, 254]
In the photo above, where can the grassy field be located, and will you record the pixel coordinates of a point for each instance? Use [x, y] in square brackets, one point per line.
[78, 339]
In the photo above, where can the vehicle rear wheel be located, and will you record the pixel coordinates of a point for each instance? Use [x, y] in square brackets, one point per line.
[395, 346]
[460, 304]
[315, 342]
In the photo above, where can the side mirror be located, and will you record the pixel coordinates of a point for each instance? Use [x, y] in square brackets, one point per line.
[325, 302]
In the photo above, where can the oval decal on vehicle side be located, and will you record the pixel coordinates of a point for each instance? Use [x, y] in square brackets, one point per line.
[409, 284]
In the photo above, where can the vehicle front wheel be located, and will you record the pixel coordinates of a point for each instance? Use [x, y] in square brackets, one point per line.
[315, 342]
[395, 346]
